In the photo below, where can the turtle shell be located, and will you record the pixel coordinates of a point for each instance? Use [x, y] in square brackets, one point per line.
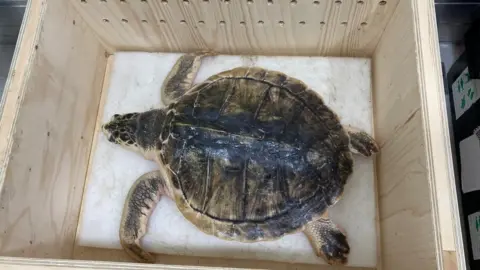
[254, 154]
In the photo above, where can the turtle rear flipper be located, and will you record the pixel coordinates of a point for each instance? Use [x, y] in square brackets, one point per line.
[361, 142]
[141, 200]
[328, 240]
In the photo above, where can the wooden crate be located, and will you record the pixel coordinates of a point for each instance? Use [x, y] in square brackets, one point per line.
[52, 97]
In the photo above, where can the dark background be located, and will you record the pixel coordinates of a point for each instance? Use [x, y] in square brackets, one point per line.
[11, 15]
[454, 18]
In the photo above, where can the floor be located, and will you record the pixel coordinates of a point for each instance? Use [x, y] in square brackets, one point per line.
[11, 15]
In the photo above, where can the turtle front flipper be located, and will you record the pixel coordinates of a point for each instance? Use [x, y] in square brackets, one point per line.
[328, 240]
[181, 76]
[361, 142]
[141, 200]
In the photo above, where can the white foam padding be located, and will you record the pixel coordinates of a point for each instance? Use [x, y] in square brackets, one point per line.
[135, 82]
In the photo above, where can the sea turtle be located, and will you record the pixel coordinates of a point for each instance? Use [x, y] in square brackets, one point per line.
[248, 155]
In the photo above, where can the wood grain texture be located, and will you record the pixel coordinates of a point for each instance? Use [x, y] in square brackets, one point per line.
[413, 162]
[60, 62]
[450, 261]
[437, 136]
[9, 263]
[50, 136]
[97, 254]
[96, 133]
[407, 233]
[346, 28]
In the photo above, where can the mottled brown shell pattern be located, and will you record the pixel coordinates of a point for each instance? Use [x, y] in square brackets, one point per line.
[254, 154]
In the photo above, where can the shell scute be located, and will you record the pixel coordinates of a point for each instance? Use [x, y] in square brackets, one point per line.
[257, 154]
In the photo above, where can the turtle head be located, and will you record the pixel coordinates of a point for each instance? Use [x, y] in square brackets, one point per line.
[135, 131]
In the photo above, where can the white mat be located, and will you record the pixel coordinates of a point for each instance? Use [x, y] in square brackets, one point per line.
[135, 85]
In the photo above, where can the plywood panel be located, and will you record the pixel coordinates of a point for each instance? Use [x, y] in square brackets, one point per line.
[450, 261]
[408, 237]
[410, 86]
[47, 148]
[346, 27]
[437, 140]
[53, 113]
[396, 95]
[406, 225]
[97, 254]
